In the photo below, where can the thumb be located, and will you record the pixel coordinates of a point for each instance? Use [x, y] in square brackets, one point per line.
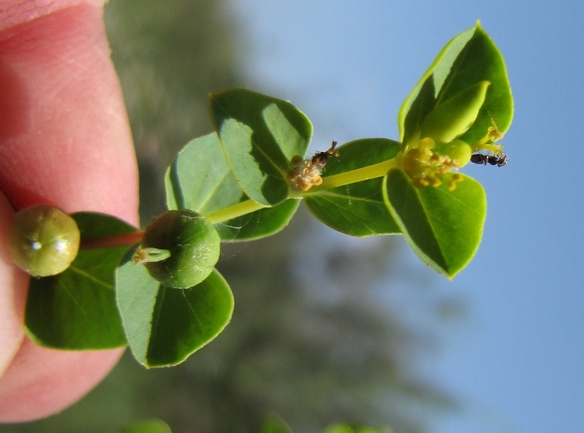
[65, 141]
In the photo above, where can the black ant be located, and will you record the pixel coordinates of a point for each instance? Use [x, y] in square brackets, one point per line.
[320, 159]
[479, 158]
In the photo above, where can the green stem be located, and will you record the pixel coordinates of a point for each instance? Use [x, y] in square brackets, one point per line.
[237, 210]
[334, 181]
[249, 206]
[349, 177]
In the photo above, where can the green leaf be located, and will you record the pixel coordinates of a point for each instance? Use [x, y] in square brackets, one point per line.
[76, 309]
[163, 325]
[275, 424]
[201, 180]
[258, 224]
[443, 227]
[260, 135]
[466, 60]
[356, 209]
[145, 426]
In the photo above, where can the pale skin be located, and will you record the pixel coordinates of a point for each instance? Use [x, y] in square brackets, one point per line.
[64, 141]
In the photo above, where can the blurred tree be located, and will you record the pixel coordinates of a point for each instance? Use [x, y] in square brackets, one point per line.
[169, 57]
[313, 337]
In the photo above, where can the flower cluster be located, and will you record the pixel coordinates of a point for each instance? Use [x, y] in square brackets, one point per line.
[488, 142]
[427, 168]
[306, 173]
[428, 160]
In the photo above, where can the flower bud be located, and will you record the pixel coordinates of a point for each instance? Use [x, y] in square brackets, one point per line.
[453, 117]
[192, 243]
[43, 240]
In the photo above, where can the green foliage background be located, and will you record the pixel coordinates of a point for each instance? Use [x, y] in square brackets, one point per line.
[309, 339]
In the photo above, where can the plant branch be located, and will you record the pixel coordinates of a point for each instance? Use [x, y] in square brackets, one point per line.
[334, 181]
[237, 210]
[353, 176]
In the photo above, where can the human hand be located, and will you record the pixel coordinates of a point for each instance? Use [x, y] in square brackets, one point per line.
[64, 141]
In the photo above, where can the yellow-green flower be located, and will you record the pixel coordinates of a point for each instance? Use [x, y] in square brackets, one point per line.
[427, 168]
[436, 150]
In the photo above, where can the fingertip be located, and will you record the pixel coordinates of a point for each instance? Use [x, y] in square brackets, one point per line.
[67, 140]
[41, 382]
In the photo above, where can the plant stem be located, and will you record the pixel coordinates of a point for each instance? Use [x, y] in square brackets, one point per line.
[349, 177]
[237, 210]
[249, 206]
[334, 181]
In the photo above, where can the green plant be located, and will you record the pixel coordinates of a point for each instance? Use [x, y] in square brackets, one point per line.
[246, 180]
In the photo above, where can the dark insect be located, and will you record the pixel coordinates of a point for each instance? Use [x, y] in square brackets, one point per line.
[499, 161]
[319, 159]
[479, 158]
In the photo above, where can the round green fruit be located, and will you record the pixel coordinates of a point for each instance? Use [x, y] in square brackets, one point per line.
[456, 149]
[43, 240]
[192, 242]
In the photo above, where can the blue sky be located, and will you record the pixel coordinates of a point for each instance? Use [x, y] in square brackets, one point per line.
[518, 361]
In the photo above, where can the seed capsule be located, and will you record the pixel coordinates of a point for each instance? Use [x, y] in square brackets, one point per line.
[43, 240]
[180, 248]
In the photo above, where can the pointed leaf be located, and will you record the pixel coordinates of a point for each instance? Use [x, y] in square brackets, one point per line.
[260, 135]
[357, 209]
[443, 227]
[76, 309]
[275, 424]
[164, 326]
[201, 180]
[466, 60]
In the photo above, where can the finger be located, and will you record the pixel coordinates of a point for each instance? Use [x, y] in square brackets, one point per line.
[64, 140]
[65, 137]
